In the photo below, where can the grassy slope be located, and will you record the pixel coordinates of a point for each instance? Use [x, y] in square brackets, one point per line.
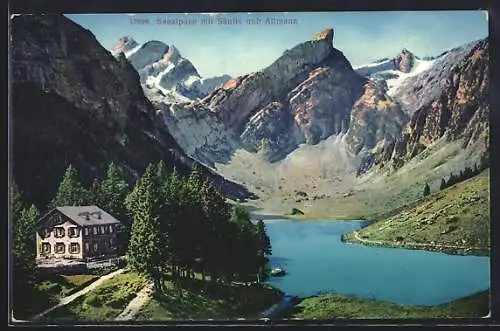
[221, 302]
[48, 290]
[103, 303]
[61, 286]
[337, 306]
[457, 216]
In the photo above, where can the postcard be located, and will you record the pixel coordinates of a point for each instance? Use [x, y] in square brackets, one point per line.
[249, 166]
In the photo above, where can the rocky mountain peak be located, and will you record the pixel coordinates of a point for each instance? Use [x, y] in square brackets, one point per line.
[404, 60]
[124, 44]
[326, 34]
[173, 55]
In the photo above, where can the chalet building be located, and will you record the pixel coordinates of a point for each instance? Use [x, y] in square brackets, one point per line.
[76, 232]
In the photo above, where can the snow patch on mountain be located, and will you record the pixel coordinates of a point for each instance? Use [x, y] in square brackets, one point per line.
[132, 51]
[395, 83]
[163, 70]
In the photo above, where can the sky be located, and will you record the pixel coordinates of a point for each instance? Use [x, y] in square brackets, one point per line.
[217, 47]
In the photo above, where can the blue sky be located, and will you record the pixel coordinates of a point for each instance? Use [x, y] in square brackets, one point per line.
[217, 49]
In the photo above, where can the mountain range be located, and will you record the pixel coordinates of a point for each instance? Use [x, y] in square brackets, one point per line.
[309, 121]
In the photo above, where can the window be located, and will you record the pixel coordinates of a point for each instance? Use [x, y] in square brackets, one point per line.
[46, 233]
[86, 231]
[60, 248]
[59, 232]
[95, 229]
[110, 228]
[95, 247]
[74, 248]
[45, 248]
[87, 247]
[73, 232]
[103, 229]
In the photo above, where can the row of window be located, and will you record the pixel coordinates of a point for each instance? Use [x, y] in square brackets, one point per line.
[60, 248]
[102, 229]
[74, 248]
[74, 232]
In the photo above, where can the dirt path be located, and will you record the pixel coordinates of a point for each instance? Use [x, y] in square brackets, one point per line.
[68, 299]
[135, 305]
[390, 243]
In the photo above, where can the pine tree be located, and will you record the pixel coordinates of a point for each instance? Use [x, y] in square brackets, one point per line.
[452, 180]
[24, 248]
[264, 241]
[216, 214]
[145, 251]
[94, 193]
[427, 190]
[443, 184]
[113, 191]
[71, 192]
[263, 248]
[24, 254]
[195, 217]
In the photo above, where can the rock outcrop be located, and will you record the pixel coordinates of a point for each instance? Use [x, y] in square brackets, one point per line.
[404, 61]
[376, 120]
[310, 89]
[457, 108]
[73, 102]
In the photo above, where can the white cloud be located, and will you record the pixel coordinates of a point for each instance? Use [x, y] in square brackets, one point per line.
[486, 14]
[131, 14]
[211, 14]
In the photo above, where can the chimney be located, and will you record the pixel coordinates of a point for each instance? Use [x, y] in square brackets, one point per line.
[96, 214]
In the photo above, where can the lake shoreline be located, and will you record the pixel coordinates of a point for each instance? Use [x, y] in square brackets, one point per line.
[351, 238]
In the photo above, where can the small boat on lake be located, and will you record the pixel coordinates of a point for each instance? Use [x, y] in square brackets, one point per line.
[277, 272]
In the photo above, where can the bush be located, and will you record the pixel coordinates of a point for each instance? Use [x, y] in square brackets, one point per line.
[49, 287]
[118, 303]
[296, 211]
[94, 300]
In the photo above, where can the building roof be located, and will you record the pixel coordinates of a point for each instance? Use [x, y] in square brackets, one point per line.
[87, 215]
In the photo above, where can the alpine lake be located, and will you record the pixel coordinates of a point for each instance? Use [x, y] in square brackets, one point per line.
[316, 261]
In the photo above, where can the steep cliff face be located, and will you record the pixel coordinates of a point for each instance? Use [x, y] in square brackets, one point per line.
[376, 120]
[73, 102]
[304, 96]
[273, 132]
[460, 109]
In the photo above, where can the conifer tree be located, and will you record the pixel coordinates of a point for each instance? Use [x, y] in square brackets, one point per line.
[112, 192]
[24, 236]
[263, 248]
[443, 184]
[94, 193]
[427, 190]
[71, 192]
[145, 251]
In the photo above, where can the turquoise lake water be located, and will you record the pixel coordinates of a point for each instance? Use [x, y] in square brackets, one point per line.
[316, 260]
